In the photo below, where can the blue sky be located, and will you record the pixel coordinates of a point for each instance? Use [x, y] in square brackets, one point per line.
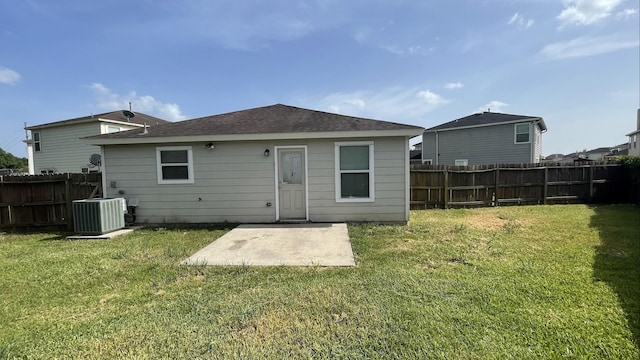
[423, 62]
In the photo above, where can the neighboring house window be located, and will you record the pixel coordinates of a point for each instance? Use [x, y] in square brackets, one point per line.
[36, 141]
[175, 164]
[354, 171]
[462, 162]
[427, 162]
[112, 128]
[47, 171]
[522, 133]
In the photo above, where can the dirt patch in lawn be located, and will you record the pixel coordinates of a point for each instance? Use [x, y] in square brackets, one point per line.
[492, 222]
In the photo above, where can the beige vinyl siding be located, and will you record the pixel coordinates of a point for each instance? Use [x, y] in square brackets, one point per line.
[235, 181]
[61, 149]
[389, 172]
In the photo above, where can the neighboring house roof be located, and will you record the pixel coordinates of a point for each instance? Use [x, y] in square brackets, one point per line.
[487, 119]
[555, 156]
[633, 133]
[415, 155]
[115, 116]
[269, 122]
[600, 150]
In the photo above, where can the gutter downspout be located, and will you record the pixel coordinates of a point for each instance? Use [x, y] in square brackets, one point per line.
[532, 126]
[535, 128]
[437, 154]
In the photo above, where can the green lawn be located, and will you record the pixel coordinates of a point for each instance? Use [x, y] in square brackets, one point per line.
[497, 283]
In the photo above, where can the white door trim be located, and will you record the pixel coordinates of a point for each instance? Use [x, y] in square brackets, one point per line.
[276, 150]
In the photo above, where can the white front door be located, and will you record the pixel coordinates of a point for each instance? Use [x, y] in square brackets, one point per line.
[291, 184]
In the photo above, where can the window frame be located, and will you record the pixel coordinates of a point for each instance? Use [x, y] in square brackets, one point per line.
[516, 133]
[427, 162]
[160, 165]
[37, 144]
[461, 162]
[370, 171]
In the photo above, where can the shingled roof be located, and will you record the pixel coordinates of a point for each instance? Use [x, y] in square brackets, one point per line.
[273, 119]
[486, 119]
[138, 119]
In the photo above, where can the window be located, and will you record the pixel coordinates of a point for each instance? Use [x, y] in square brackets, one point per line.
[36, 141]
[354, 172]
[462, 162]
[522, 133]
[175, 164]
[427, 162]
[112, 129]
[48, 171]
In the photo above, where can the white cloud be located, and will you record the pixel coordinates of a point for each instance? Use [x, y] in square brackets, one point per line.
[358, 103]
[431, 98]
[110, 101]
[455, 85]
[626, 14]
[587, 46]
[8, 76]
[520, 21]
[586, 12]
[493, 106]
[408, 105]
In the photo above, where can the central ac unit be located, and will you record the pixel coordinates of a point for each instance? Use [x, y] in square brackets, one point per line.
[98, 216]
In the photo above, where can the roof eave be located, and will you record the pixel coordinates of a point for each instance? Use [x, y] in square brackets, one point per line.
[81, 121]
[150, 139]
[633, 133]
[121, 122]
[61, 123]
[539, 120]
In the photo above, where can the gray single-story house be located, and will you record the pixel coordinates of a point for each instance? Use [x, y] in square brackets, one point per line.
[262, 165]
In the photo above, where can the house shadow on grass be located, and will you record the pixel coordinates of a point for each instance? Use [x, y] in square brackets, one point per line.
[617, 259]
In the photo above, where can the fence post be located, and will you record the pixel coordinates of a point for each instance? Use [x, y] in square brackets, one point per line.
[495, 190]
[545, 186]
[591, 184]
[67, 195]
[446, 188]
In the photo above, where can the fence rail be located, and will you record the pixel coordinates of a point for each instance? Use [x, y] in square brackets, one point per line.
[440, 186]
[44, 200]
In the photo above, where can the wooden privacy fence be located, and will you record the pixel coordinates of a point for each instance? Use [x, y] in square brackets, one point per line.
[441, 186]
[44, 200]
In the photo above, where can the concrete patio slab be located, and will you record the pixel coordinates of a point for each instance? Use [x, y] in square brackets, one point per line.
[279, 244]
[105, 236]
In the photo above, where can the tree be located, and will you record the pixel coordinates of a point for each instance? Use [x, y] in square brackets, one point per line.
[9, 161]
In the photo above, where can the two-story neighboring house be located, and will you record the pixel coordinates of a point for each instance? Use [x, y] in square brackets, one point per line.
[634, 138]
[55, 147]
[485, 138]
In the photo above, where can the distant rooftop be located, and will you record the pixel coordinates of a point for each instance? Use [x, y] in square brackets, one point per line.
[488, 118]
[118, 115]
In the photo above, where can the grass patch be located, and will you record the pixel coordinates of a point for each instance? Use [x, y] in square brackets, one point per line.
[499, 283]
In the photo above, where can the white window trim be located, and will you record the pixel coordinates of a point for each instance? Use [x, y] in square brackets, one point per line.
[427, 162]
[189, 164]
[461, 162]
[515, 133]
[338, 172]
[39, 141]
